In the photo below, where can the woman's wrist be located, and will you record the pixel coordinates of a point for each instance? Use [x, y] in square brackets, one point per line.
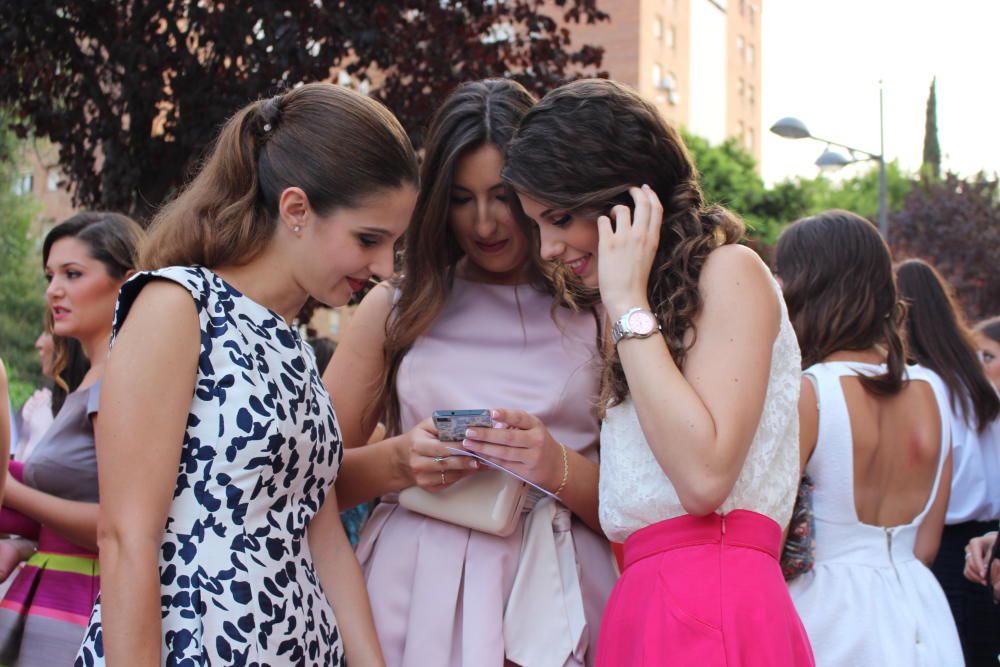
[563, 472]
[401, 461]
[619, 306]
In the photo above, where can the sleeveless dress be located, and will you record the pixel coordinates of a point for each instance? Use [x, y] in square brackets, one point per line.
[898, 615]
[705, 590]
[448, 596]
[260, 453]
[45, 612]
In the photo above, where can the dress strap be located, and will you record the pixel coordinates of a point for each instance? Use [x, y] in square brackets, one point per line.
[920, 373]
[831, 466]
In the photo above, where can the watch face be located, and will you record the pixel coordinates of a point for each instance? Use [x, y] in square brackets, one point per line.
[642, 323]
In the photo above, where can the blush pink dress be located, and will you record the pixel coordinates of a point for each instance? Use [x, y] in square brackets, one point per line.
[445, 595]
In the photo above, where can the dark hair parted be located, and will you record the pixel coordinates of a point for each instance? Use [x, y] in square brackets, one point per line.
[990, 328]
[580, 149]
[111, 238]
[841, 294]
[938, 338]
[476, 114]
[337, 145]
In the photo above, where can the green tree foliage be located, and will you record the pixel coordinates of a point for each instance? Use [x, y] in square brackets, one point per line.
[729, 177]
[22, 304]
[954, 224]
[146, 84]
[932, 149]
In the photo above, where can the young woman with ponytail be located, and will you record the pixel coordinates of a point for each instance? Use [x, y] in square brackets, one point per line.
[219, 532]
[938, 339]
[875, 439]
[699, 465]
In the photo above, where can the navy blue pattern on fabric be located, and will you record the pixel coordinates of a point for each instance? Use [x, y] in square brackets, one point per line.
[261, 450]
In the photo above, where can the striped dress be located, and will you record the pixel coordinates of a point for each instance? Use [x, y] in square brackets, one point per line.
[44, 614]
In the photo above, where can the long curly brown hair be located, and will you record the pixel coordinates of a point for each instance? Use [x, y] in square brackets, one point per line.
[580, 149]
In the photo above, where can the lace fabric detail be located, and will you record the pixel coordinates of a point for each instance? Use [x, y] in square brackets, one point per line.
[635, 492]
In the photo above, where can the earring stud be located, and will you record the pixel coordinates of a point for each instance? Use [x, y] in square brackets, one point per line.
[297, 229]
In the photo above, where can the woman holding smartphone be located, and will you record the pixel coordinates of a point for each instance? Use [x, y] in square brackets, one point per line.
[699, 464]
[210, 555]
[473, 323]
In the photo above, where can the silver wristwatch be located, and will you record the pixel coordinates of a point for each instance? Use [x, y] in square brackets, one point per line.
[636, 323]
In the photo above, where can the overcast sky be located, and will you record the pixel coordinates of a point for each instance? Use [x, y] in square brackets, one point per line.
[823, 60]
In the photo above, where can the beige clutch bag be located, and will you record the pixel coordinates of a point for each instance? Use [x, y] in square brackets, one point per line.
[489, 501]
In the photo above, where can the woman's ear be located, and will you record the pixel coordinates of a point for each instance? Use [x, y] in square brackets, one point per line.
[294, 210]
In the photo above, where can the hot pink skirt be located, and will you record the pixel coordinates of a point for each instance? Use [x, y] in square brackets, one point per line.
[703, 591]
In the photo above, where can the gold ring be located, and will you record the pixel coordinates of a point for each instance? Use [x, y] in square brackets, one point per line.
[443, 482]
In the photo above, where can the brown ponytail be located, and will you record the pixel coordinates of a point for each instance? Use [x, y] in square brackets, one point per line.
[335, 144]
[841, 293]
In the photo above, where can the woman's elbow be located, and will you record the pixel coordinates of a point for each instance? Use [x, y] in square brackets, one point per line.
[114, 539]
[705, 497]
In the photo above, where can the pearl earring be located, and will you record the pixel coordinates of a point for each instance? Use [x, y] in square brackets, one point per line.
[297, 229]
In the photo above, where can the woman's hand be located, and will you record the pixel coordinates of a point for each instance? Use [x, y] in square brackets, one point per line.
[524, 446]
[13, 552]
[432, 466]
[977, 555]
[626, 253]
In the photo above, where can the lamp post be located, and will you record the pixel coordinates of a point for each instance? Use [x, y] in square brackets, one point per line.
[793, 128]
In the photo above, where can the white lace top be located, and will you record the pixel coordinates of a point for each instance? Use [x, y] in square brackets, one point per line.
[635, 492]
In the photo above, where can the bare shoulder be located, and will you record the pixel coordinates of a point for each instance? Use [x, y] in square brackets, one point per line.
[733, 264]
[162, 309]
[736, 280]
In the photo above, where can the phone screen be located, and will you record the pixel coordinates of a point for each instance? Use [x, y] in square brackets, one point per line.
[451, 424]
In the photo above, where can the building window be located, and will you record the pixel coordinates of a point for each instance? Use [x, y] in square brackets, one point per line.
[750, 139]
[740, 87]
[743, 7]
[740, 48]
[24, 184]
[739, 131]
[657, 75]
[752, 15]
[658, 28]
[52, 178]
[672, 37]
[751, 94]
[751, 54]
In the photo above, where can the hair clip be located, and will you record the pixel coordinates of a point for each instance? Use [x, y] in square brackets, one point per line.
[267, 127]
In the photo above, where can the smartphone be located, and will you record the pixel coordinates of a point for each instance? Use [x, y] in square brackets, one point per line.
[451, 424]
[626, 200]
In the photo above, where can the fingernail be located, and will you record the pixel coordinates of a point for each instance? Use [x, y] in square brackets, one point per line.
[473, 464]
[495, 414]
[468, 444]
[471, 433]
[645, 187]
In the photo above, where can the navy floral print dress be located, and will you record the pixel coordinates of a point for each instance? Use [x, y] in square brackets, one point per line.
[260, 453]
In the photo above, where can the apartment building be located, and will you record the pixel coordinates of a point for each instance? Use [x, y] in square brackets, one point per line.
[697, 60]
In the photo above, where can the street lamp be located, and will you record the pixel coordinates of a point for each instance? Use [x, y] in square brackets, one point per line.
[793, 128]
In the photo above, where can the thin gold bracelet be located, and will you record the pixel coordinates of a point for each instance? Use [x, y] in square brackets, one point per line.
[562, 486]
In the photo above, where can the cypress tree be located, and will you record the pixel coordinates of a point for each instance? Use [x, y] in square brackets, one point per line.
[932, 149]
